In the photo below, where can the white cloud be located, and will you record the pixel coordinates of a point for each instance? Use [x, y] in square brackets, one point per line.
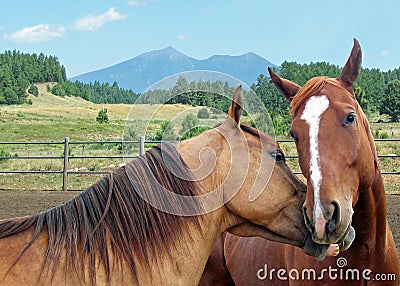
[92, 23]
[182, 37]
[138, 2]
[384, 53]
[36, 34]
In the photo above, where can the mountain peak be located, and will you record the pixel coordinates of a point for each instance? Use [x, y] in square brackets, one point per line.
[168, 52]
[169, 49]
[250, 54]
[146, 69]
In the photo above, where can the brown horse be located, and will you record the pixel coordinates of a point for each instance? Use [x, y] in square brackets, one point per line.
[155, 220]
[344, 193]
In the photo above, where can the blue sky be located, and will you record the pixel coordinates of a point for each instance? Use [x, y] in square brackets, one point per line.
[88, 35]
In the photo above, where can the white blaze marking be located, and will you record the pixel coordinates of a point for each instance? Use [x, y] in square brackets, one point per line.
[315, 107]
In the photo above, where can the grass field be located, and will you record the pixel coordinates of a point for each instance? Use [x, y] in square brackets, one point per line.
[51, 118]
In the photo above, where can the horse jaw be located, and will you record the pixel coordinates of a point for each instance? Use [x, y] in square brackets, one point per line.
[318, 251]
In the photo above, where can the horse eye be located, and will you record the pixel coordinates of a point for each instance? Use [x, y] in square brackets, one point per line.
[278, 156]
[350, 118]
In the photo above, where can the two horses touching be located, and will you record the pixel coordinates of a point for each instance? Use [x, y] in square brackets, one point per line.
[345, 199]
[155, 220]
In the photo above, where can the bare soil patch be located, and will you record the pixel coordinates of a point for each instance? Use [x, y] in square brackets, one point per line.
[21, 203]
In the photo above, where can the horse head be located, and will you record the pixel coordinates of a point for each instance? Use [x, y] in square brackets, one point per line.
[335, 147]
[256, 188]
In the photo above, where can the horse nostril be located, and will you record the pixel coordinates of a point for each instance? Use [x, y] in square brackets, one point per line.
[335, 219]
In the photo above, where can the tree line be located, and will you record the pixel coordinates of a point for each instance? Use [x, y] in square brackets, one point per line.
[18, 71]
[95, 92]
[376, 90]
[196, 93]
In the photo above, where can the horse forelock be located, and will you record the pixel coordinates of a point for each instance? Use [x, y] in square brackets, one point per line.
[311, 88]
[111, 213]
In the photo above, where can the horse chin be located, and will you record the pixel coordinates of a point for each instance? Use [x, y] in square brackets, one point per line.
[318, 251]
[321, 251]
[347, 239]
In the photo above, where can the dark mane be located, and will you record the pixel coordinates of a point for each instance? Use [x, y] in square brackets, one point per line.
[255, 132]
[112, 211]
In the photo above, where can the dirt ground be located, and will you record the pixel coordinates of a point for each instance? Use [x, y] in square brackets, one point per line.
[21, 203]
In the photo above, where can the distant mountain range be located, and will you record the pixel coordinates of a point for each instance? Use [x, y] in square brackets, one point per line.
[146, 69]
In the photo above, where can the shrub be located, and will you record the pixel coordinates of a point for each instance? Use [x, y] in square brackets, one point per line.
[194, 132]
[203, 113]
[4, 153]
[190, 121]
[21, 114]
[33, 89]
[102, 116]
[384, 135]
[166, 131]
[58, 90]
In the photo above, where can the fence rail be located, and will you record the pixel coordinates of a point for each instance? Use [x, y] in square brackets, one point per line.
[66, 157]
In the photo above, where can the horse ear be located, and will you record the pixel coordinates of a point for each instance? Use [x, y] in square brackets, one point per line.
[352, 68]
[286, 87]
[236, 108]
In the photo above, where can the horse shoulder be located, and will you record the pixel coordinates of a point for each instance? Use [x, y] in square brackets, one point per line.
[248, 258]
[29, 262]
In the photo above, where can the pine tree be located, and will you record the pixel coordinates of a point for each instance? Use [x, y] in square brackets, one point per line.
[102, 116]
[391, 100]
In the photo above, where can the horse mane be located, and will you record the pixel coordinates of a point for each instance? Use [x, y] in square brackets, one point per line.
[112, 213]
[257, 133]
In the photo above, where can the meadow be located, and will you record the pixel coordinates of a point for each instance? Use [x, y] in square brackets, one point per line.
[51, 118]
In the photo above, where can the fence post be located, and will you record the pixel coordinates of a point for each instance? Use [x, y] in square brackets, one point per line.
[65, 168]
[141, 144]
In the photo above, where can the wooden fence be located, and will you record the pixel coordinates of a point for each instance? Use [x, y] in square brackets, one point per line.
[66, 157]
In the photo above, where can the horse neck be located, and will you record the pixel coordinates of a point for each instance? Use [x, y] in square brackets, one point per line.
[185, 265]
[210, 172]
[369, 217]
[207, 166]
[370, 210]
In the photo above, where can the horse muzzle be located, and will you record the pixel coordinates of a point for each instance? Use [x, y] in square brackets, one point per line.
[327, 225]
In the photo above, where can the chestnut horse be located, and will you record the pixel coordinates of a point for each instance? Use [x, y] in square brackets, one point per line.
[345, 201]
[114, 232]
